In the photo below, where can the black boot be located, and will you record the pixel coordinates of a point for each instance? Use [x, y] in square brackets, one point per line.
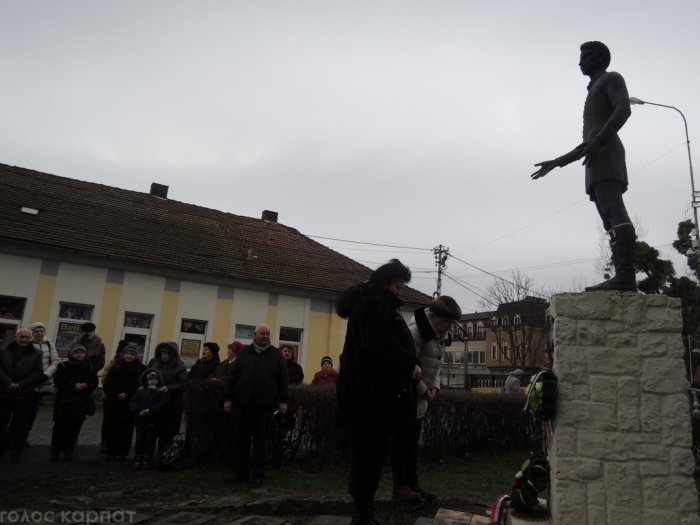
[362, 513]
[625, 258]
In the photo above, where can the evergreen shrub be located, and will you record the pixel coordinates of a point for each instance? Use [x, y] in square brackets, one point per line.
[458, 423]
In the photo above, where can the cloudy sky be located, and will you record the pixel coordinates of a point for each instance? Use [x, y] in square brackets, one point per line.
[397, 123]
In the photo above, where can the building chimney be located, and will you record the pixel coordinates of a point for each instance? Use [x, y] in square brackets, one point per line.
[159, 190]
[269, 216]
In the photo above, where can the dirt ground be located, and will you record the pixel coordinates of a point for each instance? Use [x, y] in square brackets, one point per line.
[102, 485]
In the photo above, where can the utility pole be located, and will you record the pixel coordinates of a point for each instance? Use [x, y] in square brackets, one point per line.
[441, 255]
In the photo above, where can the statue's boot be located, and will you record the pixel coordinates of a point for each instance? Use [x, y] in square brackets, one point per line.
[623, 240]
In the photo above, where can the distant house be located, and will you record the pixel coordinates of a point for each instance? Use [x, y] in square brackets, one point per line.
[517, 336]
[146, 268]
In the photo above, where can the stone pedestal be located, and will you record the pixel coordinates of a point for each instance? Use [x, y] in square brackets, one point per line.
[621, 450]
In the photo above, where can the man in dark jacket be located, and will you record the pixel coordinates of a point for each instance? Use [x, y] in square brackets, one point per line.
[258, 384]
[296, 373]
[21, 369]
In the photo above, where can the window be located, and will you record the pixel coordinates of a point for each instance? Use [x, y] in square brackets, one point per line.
[477, 358]
[78, 312]
[506, 351]
[504, 322]
[480, 331]
[70, 317]
[144, 321]
[494, 352]
[518, 352]
[518, 324]
[11, 307]
[470, 331]
[190, 326]
[291, 336]
[244, 331]
[494, 324]
[454, 358]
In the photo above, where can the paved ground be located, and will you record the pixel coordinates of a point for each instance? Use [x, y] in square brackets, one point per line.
[88, 443]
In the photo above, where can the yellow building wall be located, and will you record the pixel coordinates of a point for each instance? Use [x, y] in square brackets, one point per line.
[271, 321]
[43, 299]
[222, 324]
[318, 344]
[109, 313]
[168, 315]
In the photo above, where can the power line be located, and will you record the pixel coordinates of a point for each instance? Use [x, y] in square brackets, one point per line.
[501, 278]
[369, 243]
[521, 229]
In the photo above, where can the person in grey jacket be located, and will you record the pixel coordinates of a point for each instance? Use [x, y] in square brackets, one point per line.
[49, 362]
[167, 362]
[512, 385]
[429, 328]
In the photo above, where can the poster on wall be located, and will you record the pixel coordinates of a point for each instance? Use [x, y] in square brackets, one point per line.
[189, 326]
[11, 307]
[138, 320]
[75, 311]
[189, 351]
[67, 335]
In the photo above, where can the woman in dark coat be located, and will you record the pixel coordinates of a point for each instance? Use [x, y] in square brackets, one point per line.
[75, 383]
[207, 364]
[120, 385]
[376, 392]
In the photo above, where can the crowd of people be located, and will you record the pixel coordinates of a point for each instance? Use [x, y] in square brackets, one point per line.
[147, 399]
[389, 372]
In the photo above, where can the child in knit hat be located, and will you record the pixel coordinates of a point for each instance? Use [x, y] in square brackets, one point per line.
[149, 406]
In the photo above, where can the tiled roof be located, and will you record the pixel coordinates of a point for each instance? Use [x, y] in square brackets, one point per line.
[101, 220]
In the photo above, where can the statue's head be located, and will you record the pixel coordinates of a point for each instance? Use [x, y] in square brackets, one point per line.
[594, 55]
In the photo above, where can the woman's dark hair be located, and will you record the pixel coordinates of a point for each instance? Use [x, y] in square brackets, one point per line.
[282, 347]
[121, 346]
[382, 276]
[389, 272]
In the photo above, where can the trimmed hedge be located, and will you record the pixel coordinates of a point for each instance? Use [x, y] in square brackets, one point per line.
[458, 423]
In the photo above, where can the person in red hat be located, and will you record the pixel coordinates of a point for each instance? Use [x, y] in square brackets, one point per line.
[221, 372]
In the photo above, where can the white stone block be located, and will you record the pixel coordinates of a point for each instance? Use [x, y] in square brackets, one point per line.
[628, 405]
[576, 469]
[597, 515]
[604, 360]
[682, 461]
[663, 375]
[670, 492]
[654, 468]
[653, 345]
[603, 389]
[623, 487]
[592, 333]
[659, 517]
[582, 414]
[624, 516]
[650, 413]
[664, 320]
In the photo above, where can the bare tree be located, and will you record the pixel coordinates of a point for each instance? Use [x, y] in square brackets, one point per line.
[519, 320]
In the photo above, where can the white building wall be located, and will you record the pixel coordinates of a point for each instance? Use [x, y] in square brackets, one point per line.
[19, 277]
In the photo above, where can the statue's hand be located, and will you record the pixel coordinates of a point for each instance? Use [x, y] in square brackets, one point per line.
[545, 167]
[590, 150]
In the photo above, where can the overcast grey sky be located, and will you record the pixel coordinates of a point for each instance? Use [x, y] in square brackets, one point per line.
[391, 122]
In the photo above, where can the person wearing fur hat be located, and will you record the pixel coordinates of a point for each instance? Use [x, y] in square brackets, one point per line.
[50, 361]
[221, 372]
[167, 362]
[429, 329]
[207, 364]
[149, 407]
[325, 376]
[75, 383]
[512, 385]
[93, 346]
[120, 385]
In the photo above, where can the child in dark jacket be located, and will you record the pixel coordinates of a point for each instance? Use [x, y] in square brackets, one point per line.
[149, 407]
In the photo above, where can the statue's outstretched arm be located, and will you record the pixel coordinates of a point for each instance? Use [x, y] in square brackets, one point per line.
[559, 162]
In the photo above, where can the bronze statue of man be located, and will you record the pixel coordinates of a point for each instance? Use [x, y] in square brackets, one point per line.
[606, 110]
